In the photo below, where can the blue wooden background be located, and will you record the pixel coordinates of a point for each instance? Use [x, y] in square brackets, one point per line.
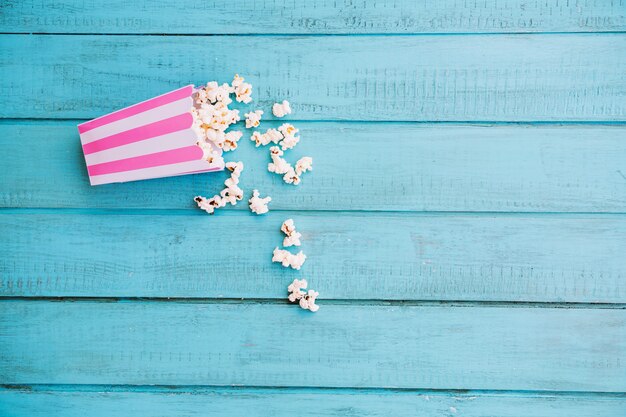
[465, 223]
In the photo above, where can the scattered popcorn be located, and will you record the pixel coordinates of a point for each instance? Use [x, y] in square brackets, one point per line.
[209, 205]
[308, 301]
[288, 129]
[232, 195]
[288, 259]
[292, 237]
[275, 151]
[259, 205]
[229, 195]
[295, 289]
[235, 168]
[271, 135]
[289, 142]
[258, 139]
[281, 109]
[278, 164]
[253, 119]
[305, 299]
[291, 177]
[304, 164]
[211, 119]
[290, 139]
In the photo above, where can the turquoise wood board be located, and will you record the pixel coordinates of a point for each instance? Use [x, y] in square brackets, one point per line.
[251, 344]
[100, 401]
[421, 167]
[561, 77]
[545, 258]
[464, 223]
[311, 16]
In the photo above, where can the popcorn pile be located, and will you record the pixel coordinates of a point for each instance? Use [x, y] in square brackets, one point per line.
[212, 118]
[305, 299]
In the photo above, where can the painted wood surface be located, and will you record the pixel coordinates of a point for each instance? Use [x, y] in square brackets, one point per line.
[105, 401]
[168, 343]
[373, 167]
[543, 258]
[472, 265]
[311, 16]
[573, 77]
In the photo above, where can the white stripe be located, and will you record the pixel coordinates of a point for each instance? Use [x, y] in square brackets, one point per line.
[173, 140]
[150, 116]
[181, 168]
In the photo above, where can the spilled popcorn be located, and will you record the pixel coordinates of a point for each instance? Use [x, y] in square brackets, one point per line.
[288, 259]
[304, 164]
[212, 118]
[270, 136]
[259, 205]
[230, 194]
[278, 165]
[292, 237]
[305, 299]
[290, 139]
[281, 109]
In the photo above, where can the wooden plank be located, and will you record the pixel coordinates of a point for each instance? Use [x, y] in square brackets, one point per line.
[350, 256]
[409, 78]
[310, 16]
[425, 167]
[306, 403]
[166, 343]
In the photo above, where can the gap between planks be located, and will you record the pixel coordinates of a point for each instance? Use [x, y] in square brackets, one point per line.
[316, 35]
[183, 389]
[193, 211]
[336, 302]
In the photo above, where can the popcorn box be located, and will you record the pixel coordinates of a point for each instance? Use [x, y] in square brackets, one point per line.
[151, 139]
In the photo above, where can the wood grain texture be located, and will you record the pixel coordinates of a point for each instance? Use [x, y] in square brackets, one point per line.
[215, 402]
[350, 256]
[388, 166]
[409, 78]
[310, 16]
[168, 343]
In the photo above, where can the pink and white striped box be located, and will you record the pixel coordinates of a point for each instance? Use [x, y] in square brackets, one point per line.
[151, 139]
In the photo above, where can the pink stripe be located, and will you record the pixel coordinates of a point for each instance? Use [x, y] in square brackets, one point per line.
[181, 168]
[137, 108]
[174, 156]
[162, 127]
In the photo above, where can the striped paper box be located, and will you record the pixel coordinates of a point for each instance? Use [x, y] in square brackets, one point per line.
[151, 139]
